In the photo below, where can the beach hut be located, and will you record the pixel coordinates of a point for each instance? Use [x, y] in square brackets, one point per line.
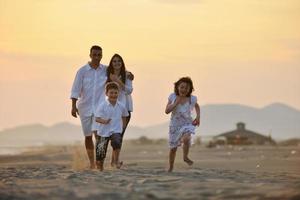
[242, 136]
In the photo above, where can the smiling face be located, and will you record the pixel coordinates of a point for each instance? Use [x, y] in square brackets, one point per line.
[112, 95]
[117, 63]
[183, 89]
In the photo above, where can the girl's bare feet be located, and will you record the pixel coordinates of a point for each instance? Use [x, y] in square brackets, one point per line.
[188, 161]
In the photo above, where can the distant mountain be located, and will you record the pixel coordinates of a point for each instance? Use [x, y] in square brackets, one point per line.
[37, 134]
[277, 119]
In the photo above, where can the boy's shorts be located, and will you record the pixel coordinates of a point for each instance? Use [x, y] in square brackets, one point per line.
[88, 124]
[102, 143]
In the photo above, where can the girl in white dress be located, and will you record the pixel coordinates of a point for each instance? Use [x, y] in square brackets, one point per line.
[182, 125]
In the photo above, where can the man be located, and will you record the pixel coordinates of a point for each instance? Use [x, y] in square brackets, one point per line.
[88, 87]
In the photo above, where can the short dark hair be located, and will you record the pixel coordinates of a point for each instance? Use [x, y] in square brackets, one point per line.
[95, 47]
[187, 80]
[111, 85]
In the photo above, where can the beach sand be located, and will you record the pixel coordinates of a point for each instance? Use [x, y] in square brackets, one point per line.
[242, 172]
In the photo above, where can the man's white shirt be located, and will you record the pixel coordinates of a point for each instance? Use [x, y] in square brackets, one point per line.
[88, 87]
[106, 110]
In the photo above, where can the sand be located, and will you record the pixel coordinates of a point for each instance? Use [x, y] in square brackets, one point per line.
[250, 172]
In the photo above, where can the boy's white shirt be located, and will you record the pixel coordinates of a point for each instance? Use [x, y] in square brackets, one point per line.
[106, 110]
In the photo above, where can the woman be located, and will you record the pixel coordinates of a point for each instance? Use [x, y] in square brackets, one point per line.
[116, 72]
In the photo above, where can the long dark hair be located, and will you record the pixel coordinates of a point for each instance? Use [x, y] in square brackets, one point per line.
[110, 69]
[187, 80]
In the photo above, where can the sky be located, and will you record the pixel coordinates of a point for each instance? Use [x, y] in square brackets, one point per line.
[236, 51]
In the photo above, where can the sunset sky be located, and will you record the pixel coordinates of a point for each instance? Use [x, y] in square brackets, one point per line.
[236, 51]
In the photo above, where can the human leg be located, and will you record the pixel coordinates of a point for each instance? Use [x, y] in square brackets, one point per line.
[122, 136]
[101, 149]
[186, 138]
[86, 123]
[172, 155]
[116, 145]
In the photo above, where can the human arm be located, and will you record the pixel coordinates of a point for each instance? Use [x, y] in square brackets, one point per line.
[128, 87]
[74, 110]
[125, 114]
[129, 75]
[75, 92]
[102, 121]
[196, 121]
[101, 116]
[115, 78]
[124, 122]
[172, 104]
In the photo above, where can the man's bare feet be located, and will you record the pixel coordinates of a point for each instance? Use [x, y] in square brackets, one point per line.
[92, 165]
[170, 169]
[188, 161]
[112, 164]
[119, 165]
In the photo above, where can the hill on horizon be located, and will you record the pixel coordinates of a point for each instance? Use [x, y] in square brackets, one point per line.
[278, 120]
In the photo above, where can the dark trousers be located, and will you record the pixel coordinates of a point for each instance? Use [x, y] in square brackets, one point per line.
[123, 132]
[102, 143]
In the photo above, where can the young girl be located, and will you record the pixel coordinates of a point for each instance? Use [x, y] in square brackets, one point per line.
[182, 126]
[116, 72]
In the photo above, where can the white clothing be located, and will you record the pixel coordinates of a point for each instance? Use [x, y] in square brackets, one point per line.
[88, 124]
[115, 112]
[129, 104]
[88, 87]
[181, 121]
[182, 113]
[123, 95]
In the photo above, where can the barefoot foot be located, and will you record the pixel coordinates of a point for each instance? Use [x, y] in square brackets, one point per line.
[119, 165]
[170, 169]
[188, 161]
[92, 166]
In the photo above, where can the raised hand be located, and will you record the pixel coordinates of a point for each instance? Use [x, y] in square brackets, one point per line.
[113, 77]
[196, 122]
[130, 76]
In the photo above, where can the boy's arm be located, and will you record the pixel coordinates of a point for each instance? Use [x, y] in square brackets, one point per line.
[124, 121]
[125, 114]
[102, 121]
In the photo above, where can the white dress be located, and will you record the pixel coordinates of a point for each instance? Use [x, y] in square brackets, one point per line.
[181, 120]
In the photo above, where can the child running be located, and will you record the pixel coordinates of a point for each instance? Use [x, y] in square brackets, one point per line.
[111, 116]
[182, 125]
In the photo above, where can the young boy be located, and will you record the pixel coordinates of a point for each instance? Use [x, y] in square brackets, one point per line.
[111, 116]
